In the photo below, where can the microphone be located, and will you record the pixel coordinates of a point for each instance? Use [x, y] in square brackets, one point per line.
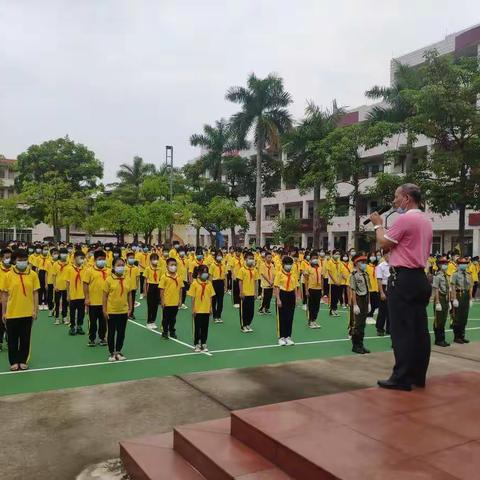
[384, 209]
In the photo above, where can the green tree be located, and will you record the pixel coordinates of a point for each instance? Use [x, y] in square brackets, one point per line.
[284, 230]
[218, 141]
[264, 112]
[14, 214]
[131, 178]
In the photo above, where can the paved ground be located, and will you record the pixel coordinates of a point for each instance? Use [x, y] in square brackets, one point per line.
[55, 435]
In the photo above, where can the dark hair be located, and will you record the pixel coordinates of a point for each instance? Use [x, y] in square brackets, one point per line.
[5, 251]
[170, 260]
[154, 256]
[287, 260]
[78, 253]
[63, 250]
[116, 260]
[99, 253]
[20, 253]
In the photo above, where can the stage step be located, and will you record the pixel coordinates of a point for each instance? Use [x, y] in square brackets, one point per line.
[211, 449]
[153, 458]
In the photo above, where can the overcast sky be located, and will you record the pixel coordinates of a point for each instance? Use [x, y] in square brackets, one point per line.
[127, 77]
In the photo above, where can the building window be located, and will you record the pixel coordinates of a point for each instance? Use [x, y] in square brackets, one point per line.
[436, 245]
[23, 235]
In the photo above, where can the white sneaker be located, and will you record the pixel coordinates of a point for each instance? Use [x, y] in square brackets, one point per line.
[311, 324]
[304, 307]
[66, 321]
[229, 292]
[289, 342]
[198, 348]
[259, 297]
[120, 357]
[154, 326]
[250, 329]
[151, 326]
[335, 314]
[282, 342]
[50, 314]
[316, 325]
[204, 348]
[141, 297]
[345, 306]
[244, 330]
[184, 307]
[218, 320]
[57, 321]
[236, 305]
[112, 358]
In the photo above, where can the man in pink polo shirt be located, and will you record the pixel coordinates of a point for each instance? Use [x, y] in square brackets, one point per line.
[409, 241]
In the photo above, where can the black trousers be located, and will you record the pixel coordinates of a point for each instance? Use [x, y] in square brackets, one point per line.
[374, 303]
[285, 314]
[42, 293]
[96, 323]
[266, 299]
[50, 302]
[217, 300]
[229, 280]
[382, 324]
[153, 300]
[185, 288]
[236, 292]
[304, 294]
[61, 295]
[314, 297]
[117, 324]
[169, 319]
[247, 310]
[325, 286]
[19, 332]
[200, 328]
[77, 312]
[2, 326]
[142, 282]
[474, 290]
[335, 294]
[133, 295]
[344, 294]
[408, 296]
[259, 288]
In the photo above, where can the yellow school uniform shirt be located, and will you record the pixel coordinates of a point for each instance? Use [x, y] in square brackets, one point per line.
[286, 281]
[347, 269]
[173, 253]
[218, 271]
[202, 293]
[315, 278]
[95, 278]
[236, 265]
[334, 271]
[60, 270]
[303, 266]
[117, 289]
[33, 259]
[451, 269]
[3, 271]
[248, 277]
[20, 288]
[182, 268]
[132, 272]
[473, 271]
[74, 277]
[372, 277]
[266, 271]
[143, 260]
[195, 263]
[153, 275]
[171, 284]
[50, 271]
[43, 263]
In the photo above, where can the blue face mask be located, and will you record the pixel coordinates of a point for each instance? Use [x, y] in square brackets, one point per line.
[131, 261]
[100, 263]
[362, 266]
[119, 270]
[204, 276]
[21, 265]
[199, 257]
[462, 267]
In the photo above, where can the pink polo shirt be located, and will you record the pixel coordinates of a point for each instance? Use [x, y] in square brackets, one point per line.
[412, 234]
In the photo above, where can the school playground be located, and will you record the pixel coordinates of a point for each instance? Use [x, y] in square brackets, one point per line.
[60, 361]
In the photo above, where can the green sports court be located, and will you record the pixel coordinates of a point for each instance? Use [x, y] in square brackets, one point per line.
[60, 361]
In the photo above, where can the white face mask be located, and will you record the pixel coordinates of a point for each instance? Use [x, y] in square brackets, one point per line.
[172, 268]
[154, 262]
[79, 261]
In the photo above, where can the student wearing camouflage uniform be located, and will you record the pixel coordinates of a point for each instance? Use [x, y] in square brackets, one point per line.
[359, 300]
[461, 285]
[441, 292]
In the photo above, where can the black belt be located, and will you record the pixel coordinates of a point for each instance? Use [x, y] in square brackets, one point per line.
[394, 270]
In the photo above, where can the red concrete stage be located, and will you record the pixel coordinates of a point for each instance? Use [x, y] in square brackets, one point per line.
[364, 434]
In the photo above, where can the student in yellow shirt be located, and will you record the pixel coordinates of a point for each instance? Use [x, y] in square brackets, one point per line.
[42, 264]
[75, 295]
[50, 289]
[373, 289]
[117, 305]
[266, 273]
[473, 271]
[347, 268]
[132, 272]
[286, 290]
[195, 264]
[93, 282]
[152, 274]
[334, 271]
[170, 298]
[143, 259]
[59, 274]
[236, 265]
[314, 283]
[19, 290]
[228, 260]
[247, 283]
[182, 266]
[201, 291]
[218, 274]
[5, 267]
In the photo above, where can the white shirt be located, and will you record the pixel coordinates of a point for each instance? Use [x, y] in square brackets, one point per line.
[382, 272]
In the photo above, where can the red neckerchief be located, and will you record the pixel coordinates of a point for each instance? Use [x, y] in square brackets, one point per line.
[44, 260]
[183, 260]
[287, 286]
[6, 270]
[77, 277]
[239, 262]
[21, 274]
[130, 268]
[204, 286]
[269, 267]
[316, 273]
[347, 266]
[219, 269]
[102, 271]
[174, 279]
[62, 266]
[250, 271]
[120, 279]
[155, 276]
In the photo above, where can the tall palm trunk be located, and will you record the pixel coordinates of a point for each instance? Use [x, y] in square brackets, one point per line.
[258, 195]
[316, 216]
[197, 237]
[232, 237]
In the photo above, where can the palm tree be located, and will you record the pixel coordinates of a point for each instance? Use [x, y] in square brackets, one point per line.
[131, 178]
[264, 112]
[218, 141]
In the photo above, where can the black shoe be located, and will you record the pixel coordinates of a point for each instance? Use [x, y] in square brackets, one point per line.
[133, 317]
[72, 331]
[102, 343]
[392, 385]
[365, 350]
[459, 340]
[380, 333]
[268, 312]
[92, 343]
[165, 336]
[442, 343]
[80, 331]
[357, 349]
[465, 340]
[173, 335]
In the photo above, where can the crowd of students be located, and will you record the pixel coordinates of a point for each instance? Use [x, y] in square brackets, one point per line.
[103, 281]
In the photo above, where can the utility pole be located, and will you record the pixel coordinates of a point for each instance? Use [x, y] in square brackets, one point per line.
[169, 165]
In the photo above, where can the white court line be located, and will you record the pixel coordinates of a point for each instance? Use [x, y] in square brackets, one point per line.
[172, 339]
[333, 340]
